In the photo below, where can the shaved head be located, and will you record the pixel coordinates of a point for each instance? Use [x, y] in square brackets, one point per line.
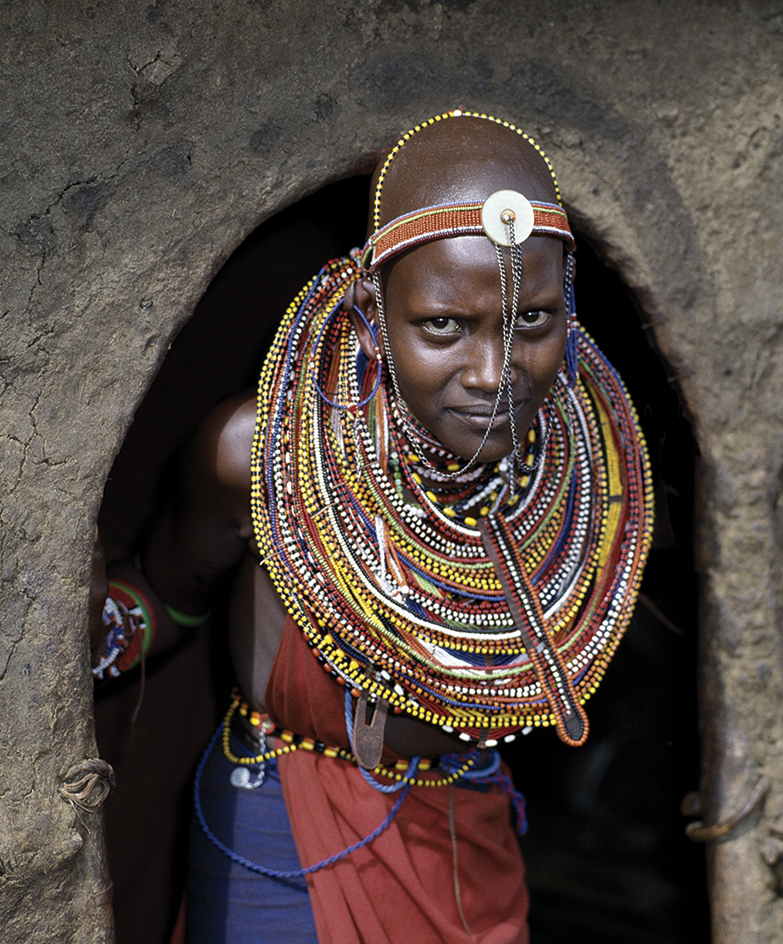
[461, 159]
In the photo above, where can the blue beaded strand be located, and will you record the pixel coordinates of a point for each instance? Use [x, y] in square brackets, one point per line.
[262, 869]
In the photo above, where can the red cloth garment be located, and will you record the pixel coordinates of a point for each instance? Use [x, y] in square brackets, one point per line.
[413, 881]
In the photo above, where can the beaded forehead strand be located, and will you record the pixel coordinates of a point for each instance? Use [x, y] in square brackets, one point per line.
[456, 113]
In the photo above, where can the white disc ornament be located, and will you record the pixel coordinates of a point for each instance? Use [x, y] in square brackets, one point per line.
[504, 209]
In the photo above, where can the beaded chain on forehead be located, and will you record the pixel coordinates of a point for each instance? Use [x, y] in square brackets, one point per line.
[461, 219]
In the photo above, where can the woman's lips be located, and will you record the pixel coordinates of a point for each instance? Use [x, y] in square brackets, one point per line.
[477, 417]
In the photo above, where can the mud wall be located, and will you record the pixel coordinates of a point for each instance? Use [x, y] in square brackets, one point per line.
[143, 141]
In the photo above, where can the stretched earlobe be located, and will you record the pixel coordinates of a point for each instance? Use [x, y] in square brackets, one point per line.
[349, 299]
[359, 303]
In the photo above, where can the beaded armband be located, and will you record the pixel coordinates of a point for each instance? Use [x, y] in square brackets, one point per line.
[130, 623]
[187, 620]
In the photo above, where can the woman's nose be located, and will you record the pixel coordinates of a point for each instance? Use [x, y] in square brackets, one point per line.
[485, 357]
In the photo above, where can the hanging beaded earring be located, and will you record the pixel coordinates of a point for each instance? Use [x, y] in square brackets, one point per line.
[571, 353]
[373, 329]
[570, 368]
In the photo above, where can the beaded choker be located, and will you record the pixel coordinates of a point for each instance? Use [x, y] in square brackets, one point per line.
[483, 624]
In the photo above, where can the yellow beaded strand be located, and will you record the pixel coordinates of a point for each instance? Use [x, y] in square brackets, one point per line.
[456, 113]
[308, 744]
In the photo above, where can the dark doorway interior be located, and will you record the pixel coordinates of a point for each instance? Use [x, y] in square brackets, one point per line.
[608, 858]
[606, 853]
[218, 353]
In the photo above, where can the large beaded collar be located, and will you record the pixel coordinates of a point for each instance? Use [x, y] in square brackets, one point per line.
[483, 625]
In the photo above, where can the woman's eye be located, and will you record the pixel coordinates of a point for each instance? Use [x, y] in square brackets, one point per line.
[441, 325]
[532, 319]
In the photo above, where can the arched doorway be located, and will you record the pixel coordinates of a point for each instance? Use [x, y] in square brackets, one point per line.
[606, 854]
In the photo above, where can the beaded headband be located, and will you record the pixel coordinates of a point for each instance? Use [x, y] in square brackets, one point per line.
[455, 219]
[459, 219]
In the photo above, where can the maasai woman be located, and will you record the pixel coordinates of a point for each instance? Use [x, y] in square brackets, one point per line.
[437, 511]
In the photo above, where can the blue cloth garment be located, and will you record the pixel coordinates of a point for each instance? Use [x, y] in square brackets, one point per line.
[226, 902]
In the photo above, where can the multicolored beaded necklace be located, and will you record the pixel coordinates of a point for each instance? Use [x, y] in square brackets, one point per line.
[485, 623]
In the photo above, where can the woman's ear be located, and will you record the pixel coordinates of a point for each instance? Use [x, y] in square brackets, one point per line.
[359, 302]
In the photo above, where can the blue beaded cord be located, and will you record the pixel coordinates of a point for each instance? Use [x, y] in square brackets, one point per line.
[572, 341]
[484, 776]
[318, 387]
[262, 869]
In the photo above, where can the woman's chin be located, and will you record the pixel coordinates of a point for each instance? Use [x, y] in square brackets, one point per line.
[497, 447]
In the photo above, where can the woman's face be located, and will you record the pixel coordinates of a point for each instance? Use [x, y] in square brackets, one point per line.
[444, 319]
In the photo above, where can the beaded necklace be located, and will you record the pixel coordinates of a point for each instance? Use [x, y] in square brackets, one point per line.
[484, 626]
[402, 771]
